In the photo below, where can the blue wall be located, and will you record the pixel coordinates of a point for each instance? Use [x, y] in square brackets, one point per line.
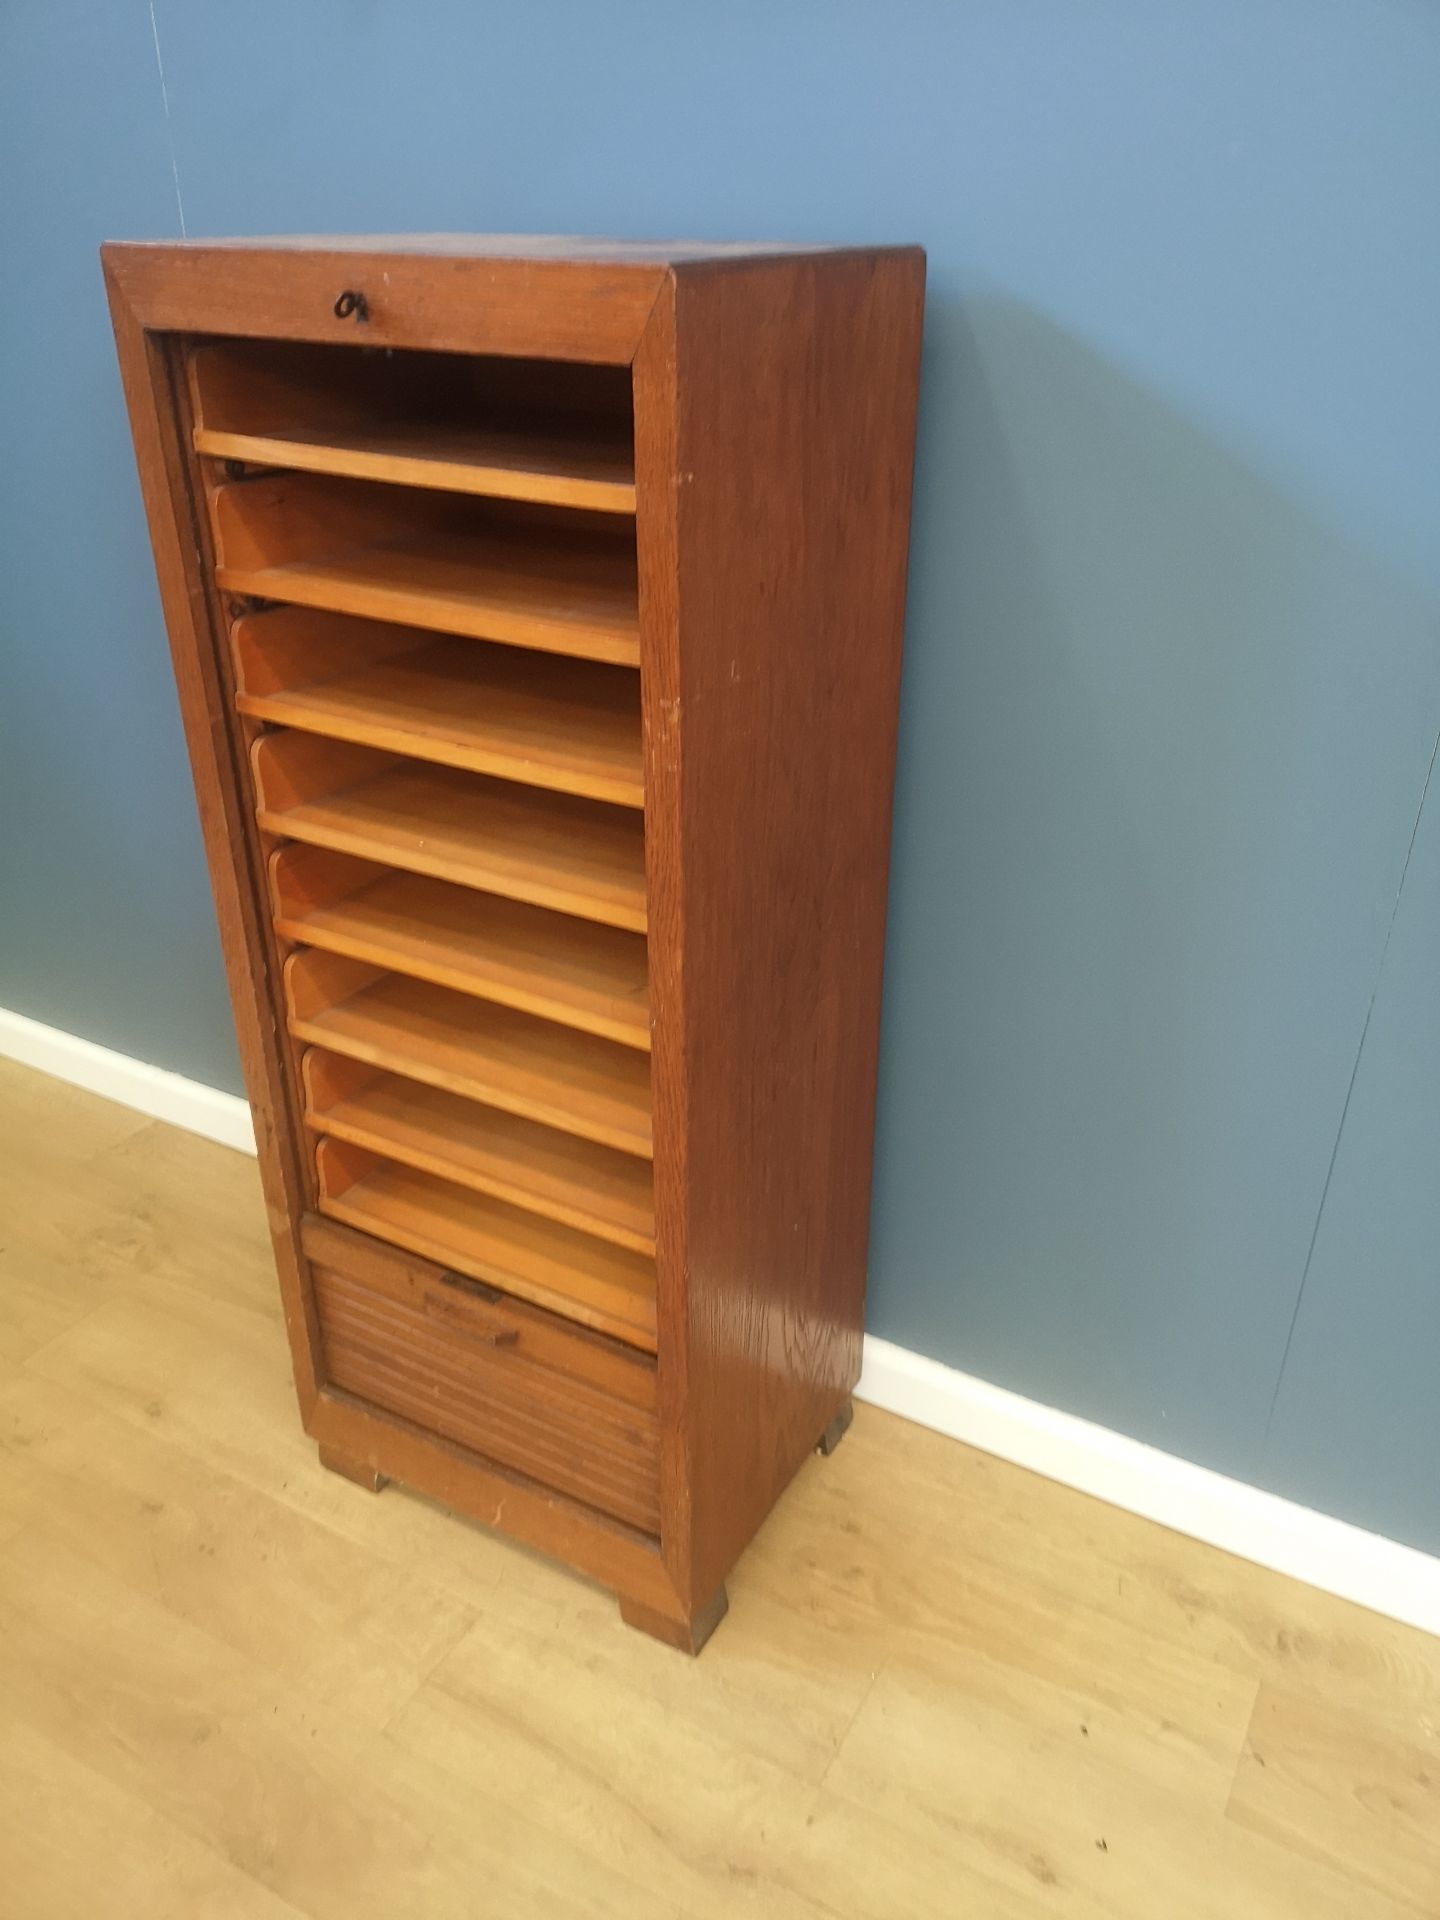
[1160, 1117]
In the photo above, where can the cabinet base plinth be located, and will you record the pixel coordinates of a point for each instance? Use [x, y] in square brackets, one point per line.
[837, 1429]
[686, 1636]
[363, 1476]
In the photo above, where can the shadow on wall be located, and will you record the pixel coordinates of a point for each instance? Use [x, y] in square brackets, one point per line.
[1164, 735]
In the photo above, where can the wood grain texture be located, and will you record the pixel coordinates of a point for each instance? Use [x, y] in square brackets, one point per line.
[368, 1477]
[771, 627]
[687, 1635]
[509, 429]
[550, 469]
[552, 850]
[582, 1279]
[614, 1368]
[774, 397]
[564, 725]
[233, 1684]
[562, 585]
[441, 299]
[541, 1071]
[574, 971]
[557, 1174]
[150, 373]
[492, 1399]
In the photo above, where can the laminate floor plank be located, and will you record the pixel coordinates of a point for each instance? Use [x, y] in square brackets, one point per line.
[232, 1683]
[150, 1866]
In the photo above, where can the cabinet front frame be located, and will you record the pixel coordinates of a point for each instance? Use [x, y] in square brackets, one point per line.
[160, 298]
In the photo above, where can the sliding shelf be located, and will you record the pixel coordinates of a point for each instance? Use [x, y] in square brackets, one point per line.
[573, 468]
[504, 1059]
[555, 584]
[561, 968]
[568, 725]
[552, 850]
[587, 1280]
[554, 436]
[574, 1181]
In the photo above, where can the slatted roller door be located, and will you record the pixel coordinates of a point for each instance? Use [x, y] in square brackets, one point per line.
[428, 570]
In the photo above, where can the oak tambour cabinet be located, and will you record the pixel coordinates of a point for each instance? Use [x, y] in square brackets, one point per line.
[536, 611]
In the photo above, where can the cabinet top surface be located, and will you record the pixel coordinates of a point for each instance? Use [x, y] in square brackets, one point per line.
[577, 248]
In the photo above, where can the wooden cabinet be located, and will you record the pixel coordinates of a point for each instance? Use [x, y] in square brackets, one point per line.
[536, 612]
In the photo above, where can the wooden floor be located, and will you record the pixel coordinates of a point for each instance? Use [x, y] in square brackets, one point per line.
[233, 1684]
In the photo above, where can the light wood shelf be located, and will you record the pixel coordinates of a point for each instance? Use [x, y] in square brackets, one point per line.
[574, 468]
[601, 1286]
[552, 850]
[510, 1060]
[350, 547]
[574, 1181]
[550, 434]
[568, 725]
[574, 971]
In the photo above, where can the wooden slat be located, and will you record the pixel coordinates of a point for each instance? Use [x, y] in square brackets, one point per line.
[579, 1353]
[550, 964]
[438, 296]
[573, 468]
[526, 1066]
[557, 1174]
[569, 1273]
[354, 548]
[568, 725]
[427, 1383]
[552, 850]
[458, 584]
[559, 1431]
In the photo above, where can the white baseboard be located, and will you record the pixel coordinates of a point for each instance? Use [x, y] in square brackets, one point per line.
[1330, 1554]
[163, 1095]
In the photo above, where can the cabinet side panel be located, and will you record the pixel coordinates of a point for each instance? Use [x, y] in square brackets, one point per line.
[146, 370]
[795, 404]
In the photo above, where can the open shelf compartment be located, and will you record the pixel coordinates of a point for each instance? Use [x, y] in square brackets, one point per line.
[582, 1185]
[568, 970]
[519, 430]
[505, 1059]
[552, 850]
[588, 1280]
[558, 582]
[567, 725]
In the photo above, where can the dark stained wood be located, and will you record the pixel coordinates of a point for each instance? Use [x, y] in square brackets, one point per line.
[771, 621]
[686, 1633]
[435, 1366]
[619, 1371]
[193, 623]
[621, 1557]
[441, 300]
[837, 1430]
[774, 398]
[360, 1471]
